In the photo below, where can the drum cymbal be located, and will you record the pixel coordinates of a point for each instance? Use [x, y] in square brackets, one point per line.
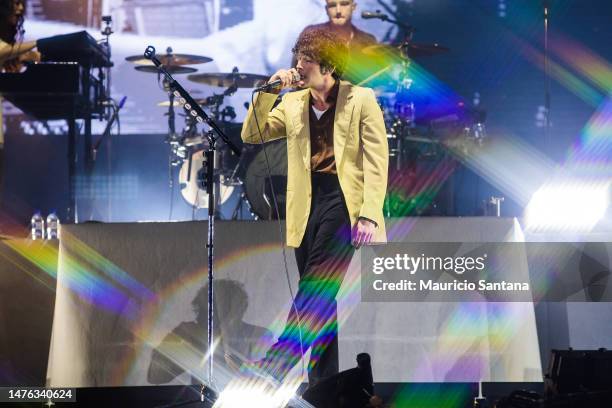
[172, 69]
[170, 59]
[165, 104]
[225, 80]
[413, 50]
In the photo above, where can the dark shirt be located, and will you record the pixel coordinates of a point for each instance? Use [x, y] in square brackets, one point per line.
[322, 159]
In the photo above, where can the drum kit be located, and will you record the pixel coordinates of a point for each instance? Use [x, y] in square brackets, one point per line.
[246, 176]
[410, 122]
[236, 176]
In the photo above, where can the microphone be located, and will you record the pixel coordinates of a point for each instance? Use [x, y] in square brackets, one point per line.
[149, 52]
[277, 83]
[373, 14]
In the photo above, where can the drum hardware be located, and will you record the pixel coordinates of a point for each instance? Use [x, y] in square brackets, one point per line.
[190, 181]
[402, 53]
[225, 80]
[216, 100]
[231, 187]
[193, 141]
[399, 111]
[170, 59]
[476, 132]
[177, 153]
[405, 50]
[164, 104]
[227, 114]
[174, 64]
[475, 129]
[231, 171]
[400, 121]
[172, 69]
[180, 147]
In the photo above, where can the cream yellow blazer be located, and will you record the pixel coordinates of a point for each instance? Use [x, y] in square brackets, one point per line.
[360, 149]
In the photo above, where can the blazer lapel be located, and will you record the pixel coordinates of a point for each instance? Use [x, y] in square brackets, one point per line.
[344, 111]
[301, 117]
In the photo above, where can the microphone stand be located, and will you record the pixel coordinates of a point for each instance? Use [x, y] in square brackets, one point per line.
[547, 140]
[195, 110]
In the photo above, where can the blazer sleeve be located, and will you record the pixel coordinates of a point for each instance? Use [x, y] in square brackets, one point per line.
[271, 121]
[375, 157]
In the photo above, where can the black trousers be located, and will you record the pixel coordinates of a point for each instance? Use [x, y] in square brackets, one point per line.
[322, 259]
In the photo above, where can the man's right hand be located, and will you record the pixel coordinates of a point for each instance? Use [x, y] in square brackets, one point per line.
[287, 76]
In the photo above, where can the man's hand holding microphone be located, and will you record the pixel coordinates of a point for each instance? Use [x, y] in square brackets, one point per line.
[283, 78]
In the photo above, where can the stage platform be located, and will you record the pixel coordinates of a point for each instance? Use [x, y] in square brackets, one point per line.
[417, 395]
[93, 311]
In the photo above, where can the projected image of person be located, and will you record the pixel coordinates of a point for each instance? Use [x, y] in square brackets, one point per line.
[337, 179]
[183, 349]
[340, 22]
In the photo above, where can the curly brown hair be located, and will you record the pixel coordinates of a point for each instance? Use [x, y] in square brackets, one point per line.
[325, 47]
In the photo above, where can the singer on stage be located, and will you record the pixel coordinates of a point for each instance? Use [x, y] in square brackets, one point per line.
[337, 179]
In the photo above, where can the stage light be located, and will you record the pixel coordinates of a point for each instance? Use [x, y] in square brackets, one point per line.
[569, 206]
[255, 397]
[254, 394]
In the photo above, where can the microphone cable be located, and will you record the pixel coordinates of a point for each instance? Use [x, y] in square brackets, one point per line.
[280, 228]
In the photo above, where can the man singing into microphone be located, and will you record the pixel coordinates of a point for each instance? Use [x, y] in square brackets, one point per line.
[337, 179]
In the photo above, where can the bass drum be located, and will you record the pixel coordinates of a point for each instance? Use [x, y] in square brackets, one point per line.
[190, 190]
[257, 184]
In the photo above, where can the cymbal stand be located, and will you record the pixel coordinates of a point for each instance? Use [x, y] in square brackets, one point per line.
[216, 100]
[547, 135]
[403, 109]
[177, 154]
[177, 151]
